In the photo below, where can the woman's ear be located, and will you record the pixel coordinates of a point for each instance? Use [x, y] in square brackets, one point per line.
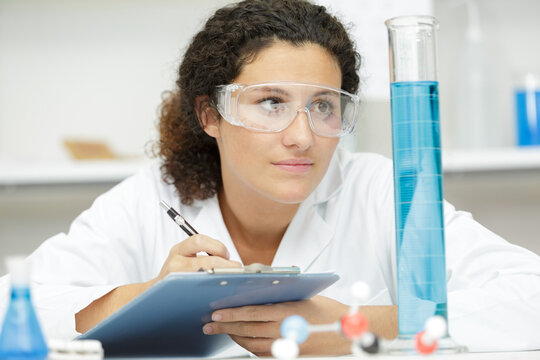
[208, 116]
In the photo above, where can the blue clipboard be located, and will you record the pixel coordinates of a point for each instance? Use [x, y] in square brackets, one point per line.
[167, 319]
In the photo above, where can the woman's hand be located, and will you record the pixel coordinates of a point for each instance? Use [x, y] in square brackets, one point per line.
[255, 328]
[183, 256]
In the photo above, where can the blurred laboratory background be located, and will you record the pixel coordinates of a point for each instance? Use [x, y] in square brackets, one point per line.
[81, 83]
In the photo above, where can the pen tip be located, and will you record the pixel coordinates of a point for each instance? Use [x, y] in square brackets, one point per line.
[164, 205]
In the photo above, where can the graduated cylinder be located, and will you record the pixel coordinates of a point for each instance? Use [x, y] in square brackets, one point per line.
[418, 191]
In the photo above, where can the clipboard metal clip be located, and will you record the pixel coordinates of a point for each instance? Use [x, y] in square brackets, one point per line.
[256, 268]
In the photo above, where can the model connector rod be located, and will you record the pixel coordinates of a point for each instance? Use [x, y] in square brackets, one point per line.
[177, 218]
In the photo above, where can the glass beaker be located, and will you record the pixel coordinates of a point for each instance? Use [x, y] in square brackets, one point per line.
[418, 191]
[527, 100]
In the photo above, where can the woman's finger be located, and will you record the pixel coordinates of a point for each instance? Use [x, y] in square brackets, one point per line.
[269, 329]
[200, 243]
[274, 312]
[182, 257]
[211, 262]
[258, 346]
[192, 264]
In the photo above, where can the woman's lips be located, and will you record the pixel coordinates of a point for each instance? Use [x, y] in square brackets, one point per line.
[294, 165]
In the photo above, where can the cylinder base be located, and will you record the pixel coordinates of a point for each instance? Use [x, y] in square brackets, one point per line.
[405, 345]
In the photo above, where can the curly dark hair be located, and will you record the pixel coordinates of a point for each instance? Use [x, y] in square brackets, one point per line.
[232, 37]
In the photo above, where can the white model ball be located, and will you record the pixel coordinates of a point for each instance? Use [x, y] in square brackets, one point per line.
[356, 349]
[285, 349]
[436, 327]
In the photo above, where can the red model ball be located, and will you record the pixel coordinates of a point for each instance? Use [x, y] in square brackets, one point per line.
[422, 347]
[354, 325]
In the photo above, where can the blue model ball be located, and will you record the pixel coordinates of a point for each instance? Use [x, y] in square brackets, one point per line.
[296, 328]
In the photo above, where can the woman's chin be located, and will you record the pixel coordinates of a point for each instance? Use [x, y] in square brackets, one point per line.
[290, 197]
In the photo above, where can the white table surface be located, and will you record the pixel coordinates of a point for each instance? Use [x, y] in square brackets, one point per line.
[521, 355]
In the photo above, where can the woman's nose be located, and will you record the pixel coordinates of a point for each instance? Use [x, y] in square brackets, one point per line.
[299, 132]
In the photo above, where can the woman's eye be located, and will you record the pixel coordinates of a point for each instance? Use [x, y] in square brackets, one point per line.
[271, 105]
[322, 107]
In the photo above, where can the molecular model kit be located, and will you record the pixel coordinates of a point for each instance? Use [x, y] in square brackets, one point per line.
[354, 326]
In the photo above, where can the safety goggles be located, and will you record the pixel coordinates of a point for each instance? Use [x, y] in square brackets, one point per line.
[273, 106]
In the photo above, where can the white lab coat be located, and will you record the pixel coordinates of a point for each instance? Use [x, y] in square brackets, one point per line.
[346, 225]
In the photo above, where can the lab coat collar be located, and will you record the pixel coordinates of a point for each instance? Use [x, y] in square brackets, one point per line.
[210, 222]
[332, 180]
[304, 241]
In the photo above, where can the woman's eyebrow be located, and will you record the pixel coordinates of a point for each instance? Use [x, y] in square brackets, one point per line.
[282, 91]
[267, 89]
[325, 92]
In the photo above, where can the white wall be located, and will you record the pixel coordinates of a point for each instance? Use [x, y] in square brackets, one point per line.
[365, 22]
[510, 30]
[88, 69]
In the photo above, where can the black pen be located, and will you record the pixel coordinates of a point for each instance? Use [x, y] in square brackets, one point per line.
[177, 218]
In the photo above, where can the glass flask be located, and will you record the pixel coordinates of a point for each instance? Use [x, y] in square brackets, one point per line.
[21, 337]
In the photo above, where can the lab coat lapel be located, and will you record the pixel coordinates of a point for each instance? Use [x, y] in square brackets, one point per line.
[305, 239]
[209, 221]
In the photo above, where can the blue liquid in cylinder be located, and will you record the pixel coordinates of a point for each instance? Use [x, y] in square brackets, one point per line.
[418, 196]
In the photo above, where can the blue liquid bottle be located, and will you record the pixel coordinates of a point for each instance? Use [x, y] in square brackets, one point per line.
[21, 337]
[528, 112]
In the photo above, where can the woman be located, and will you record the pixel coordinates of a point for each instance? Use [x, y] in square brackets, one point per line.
[248, 144]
